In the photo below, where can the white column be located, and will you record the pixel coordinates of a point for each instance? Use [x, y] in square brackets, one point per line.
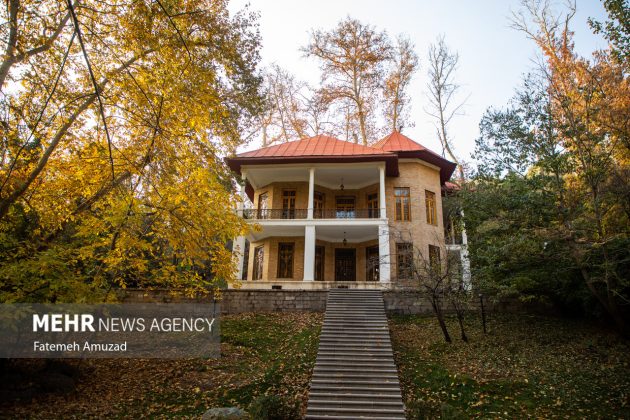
[383, 253]
[381, 194]
[241, 204]
[466, 276]
[309, 253]
[238, 246]
[311, 192]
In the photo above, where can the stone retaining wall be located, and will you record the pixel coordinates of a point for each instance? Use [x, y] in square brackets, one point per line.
[238, 301]
[396, 301]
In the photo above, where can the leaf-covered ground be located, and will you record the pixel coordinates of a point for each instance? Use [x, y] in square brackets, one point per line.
[524, 367]
[262, 354]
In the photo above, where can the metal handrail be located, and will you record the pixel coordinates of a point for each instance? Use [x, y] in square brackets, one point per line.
[267, 214]
[264, 214]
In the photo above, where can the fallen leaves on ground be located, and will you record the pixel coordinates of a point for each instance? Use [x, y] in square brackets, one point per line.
[526, 366]
[261, 354]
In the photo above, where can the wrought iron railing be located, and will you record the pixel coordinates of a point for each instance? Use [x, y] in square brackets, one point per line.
[346, 214]
[266, 214]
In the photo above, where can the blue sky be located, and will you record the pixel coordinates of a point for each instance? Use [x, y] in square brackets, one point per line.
[493, 56]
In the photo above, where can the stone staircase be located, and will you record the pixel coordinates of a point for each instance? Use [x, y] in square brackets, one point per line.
[355, 376]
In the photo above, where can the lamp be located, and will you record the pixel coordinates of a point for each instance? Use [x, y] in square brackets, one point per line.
[341, 187]
[345, 241]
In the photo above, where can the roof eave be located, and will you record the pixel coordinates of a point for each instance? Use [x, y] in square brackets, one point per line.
[390, 159]
[446, 166]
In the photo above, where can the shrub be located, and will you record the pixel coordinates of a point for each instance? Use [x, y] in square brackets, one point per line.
[273, 407]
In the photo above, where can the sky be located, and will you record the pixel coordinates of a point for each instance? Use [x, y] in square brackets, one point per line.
[492, 56]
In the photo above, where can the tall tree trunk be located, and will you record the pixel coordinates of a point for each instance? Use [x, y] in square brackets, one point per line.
[440, 317]
[460, 319]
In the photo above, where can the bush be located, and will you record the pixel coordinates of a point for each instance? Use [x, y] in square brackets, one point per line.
[273, 407]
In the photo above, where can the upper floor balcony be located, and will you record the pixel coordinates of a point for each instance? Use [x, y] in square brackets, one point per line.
[331, 194]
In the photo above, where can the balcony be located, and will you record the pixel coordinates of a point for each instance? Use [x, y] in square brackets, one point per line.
[279, 214]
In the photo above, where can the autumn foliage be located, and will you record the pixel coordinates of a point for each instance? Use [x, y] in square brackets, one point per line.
[114, 118]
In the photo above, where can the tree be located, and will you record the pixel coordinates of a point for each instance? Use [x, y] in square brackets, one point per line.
[293, 109]
[616, 29]
[404, 65]
[434, 272]
[442, 94]
[547, 213]
[104, 180]
[286, 106]
[589, 101]
[352, 58]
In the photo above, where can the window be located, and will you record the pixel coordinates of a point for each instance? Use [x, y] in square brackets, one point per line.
[318, 205]
[259, 256]
[285, 260]
[404, 255]
[434, 258]
[263, 205]
[288, 204]
[402, 200]
[320, 256]
[372, 205]
[429, 198]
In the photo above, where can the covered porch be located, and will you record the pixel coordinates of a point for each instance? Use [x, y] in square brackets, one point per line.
[319, 256]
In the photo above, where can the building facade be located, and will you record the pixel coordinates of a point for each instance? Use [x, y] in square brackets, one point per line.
[329, 213]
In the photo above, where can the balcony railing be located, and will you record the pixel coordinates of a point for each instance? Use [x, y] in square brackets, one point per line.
[264, 214]
[346, 214]
[271, 214]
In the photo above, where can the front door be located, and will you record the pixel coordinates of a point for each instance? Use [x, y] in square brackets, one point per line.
[345, 264]
[320, 256]
[372, 263]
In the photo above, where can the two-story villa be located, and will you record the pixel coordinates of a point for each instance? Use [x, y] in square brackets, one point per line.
[332, 213]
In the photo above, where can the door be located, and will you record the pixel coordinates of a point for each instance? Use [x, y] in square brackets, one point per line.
[318, 205]
[345, 207]
[288, 204]
[372, 263]
[372, 205]
[345, 264]
[320, 256]
[263, 206]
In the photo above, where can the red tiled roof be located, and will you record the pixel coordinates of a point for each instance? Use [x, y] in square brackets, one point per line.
[398, 142]
[314, 146]
[329, 149]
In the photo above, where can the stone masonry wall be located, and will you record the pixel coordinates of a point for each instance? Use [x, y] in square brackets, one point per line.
[396, 302]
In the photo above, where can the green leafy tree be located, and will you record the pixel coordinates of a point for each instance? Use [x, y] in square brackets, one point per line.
[616, 29]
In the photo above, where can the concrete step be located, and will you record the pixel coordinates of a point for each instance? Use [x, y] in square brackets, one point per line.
[354, 396]
[381, 359]
[316, 403]
[387, 389]
[364, 340]
[337, 347]
[354, 379]
[342, 417]
[356, 411]
[359, 365]
[355, 331]
[337, 370]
